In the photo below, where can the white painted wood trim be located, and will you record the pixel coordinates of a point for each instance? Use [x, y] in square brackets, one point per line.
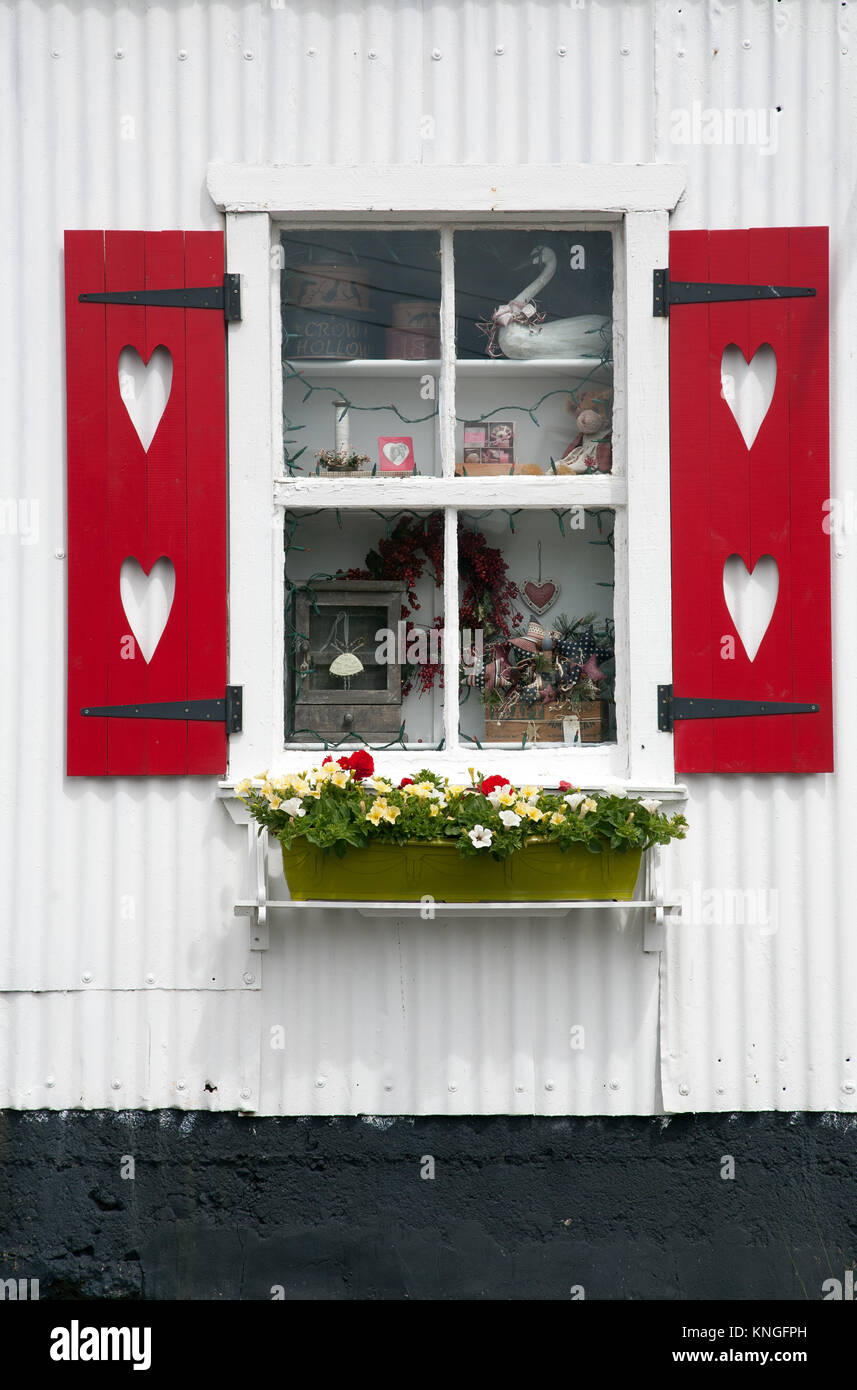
[444, 190]
[649, 636]
[447, 384]
[594, 490]
[255, 570]
[450, 623]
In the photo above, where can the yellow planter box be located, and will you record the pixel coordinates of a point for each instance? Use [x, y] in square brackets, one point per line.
[539, 872]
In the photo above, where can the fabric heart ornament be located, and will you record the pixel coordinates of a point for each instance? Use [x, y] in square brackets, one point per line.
[145, 389]
[539, 594]
[751, 597]
[147, 600]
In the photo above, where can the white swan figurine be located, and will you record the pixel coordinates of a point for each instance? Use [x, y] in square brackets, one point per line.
[586, 335]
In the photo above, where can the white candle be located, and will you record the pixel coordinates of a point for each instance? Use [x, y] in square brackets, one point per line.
[341, 427]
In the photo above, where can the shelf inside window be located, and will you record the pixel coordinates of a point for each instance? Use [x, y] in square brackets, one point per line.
[577, 367]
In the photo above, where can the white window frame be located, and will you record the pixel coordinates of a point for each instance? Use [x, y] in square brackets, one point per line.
[636, 201]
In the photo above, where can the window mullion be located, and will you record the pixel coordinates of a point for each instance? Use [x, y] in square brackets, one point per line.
[446, 398]
[450, 628]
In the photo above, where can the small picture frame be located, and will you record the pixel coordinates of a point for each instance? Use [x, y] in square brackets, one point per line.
[396, 454]
[489, 442]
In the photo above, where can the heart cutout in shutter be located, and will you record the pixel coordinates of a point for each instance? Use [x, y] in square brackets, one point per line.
[147, 600]
[145, 389]
[751, 597]
[748, 387]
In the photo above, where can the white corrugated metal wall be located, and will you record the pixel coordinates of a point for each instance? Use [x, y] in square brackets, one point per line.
[125, 980]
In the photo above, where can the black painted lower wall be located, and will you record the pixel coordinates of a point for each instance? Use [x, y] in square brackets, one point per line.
[222, 1206]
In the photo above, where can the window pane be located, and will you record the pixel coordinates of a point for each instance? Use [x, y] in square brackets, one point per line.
[361, 349]
[534, 348]
[363, 615]
[539, 599]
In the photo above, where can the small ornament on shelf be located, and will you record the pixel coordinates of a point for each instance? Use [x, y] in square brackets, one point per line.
[342, 463]
[590, 451]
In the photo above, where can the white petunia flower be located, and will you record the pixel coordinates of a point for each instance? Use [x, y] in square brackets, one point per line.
[293, 807]
[480, 837]
[650, 803]
[509, 819]
[615, 789]
[574, 799]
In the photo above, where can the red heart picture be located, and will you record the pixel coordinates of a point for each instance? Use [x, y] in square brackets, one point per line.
[539, 595]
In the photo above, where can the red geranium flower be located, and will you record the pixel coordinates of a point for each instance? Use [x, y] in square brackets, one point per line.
[406, 782]
[326, 760]
[565, 786]
[492, 783]
[360, 763]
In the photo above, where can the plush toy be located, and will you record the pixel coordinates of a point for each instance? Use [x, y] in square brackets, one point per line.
[590, 451]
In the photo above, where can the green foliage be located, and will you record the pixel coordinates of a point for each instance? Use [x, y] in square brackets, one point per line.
[333, 808]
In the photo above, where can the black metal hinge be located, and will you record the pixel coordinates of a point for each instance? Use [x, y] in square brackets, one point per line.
[225, 297]
[666, 292]
[672, 707]
[227, 711]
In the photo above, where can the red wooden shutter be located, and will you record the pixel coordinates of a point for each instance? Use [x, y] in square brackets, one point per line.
[126, 502]
[768, 500]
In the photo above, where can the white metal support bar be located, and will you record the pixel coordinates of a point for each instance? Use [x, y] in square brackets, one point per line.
[652, 903]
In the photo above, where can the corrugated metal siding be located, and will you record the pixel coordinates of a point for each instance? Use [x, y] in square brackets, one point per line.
[109, 119]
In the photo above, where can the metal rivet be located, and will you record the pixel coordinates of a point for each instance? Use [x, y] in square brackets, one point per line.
[453, 1085]
[684, 1089]
[562, 50]
[848, 1087]
[86, 977]
[120, 53]
[117, 1085]
[549, 1085]
[248, 978]
[500, 49]
[246, 1093]
[60, 554]
[319, 1081]
[181, 1086]
[182, 54]
[50, 1082]
[150, 979]
[436, 54]
[249, 55]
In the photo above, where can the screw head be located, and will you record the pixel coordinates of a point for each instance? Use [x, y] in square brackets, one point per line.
[50, 1082]
[550, 1085]
[182, 54]
[625, 50]
[562, 50]
[848, 1087]
[453, 1086]
[373, 53]
[519, 1088]
[319, 1081]
[436, 54]
[116, 1085]
[150, 979]
[119, 53]
[684, 1089]
[55, 53]
[181, 1085]
[245, 1093]
[60, 554]
[614, 1085]
[86, 977]
[248, 978]
[311, 52]
[500, 49]
[746, 43]
[388, 1086]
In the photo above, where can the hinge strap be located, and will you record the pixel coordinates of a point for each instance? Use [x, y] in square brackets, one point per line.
[672, 707]
[666, 292]
[227, 711]
[225, 297]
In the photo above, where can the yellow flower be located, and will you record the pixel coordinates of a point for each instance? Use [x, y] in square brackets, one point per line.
[340, 778]
[434, 809]
[530, 793]
[533, 813]
[242, 788]
[273, 801]
[557, 818]
[587, 805]
[376, 814]
[391, 812]
[506, 799]
[521, 808]
[380, 785]
[455, 790]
